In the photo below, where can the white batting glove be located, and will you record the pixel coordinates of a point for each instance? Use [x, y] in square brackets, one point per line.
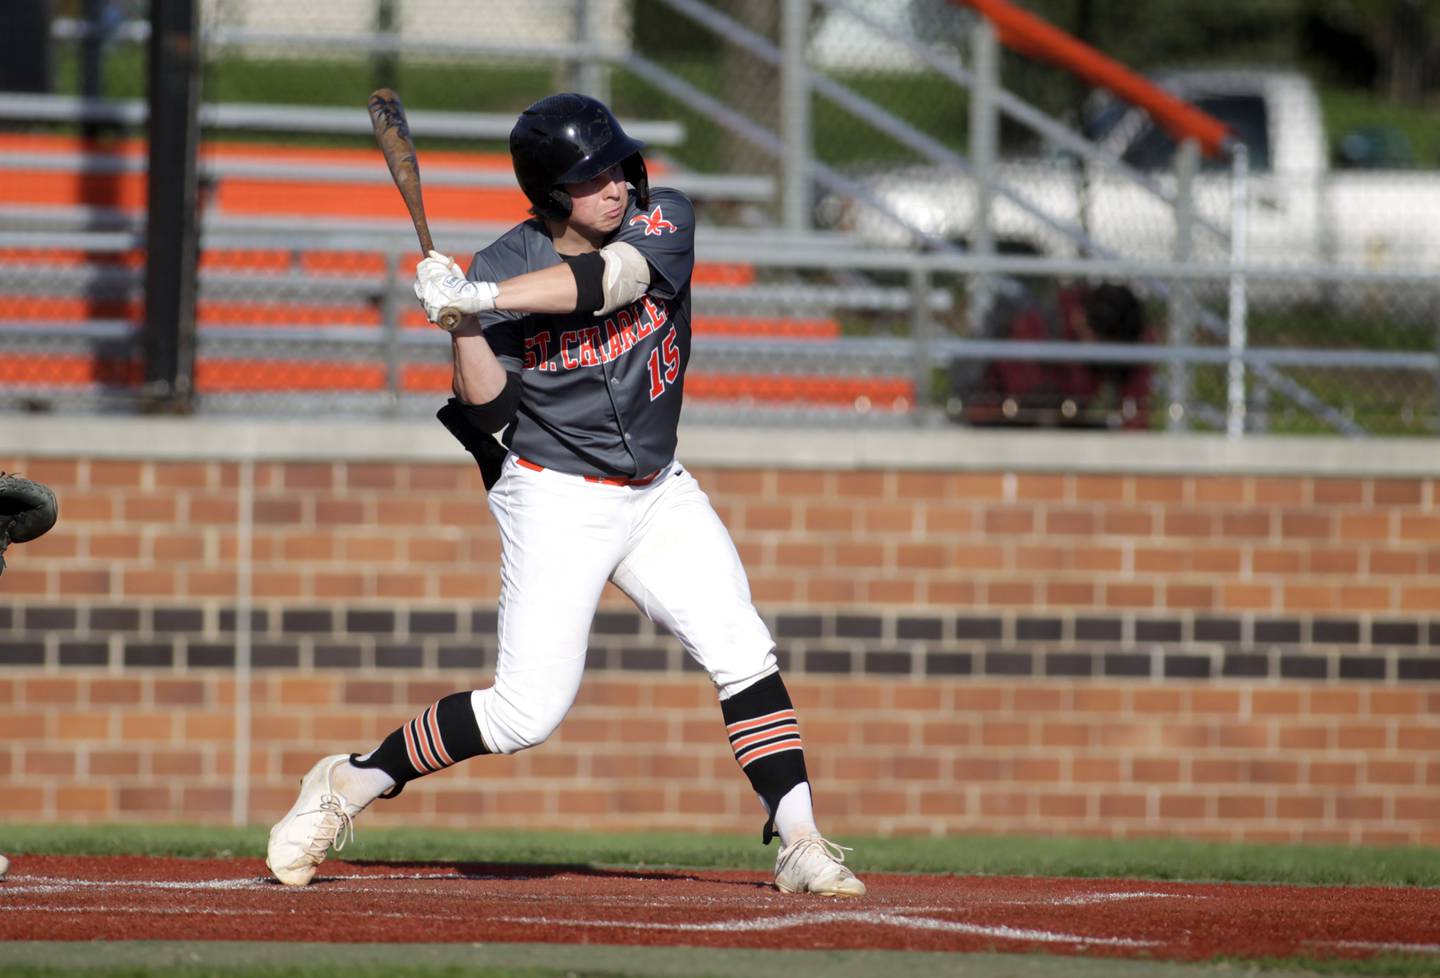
[436, 266]
[454, 292]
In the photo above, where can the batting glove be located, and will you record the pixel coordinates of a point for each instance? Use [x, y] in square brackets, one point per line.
[436, 266]
[454, 292]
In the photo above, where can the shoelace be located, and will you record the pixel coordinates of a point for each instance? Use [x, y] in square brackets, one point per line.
[334, 831]
[833, 850]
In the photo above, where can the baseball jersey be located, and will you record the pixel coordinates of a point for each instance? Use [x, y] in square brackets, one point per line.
[600, 395]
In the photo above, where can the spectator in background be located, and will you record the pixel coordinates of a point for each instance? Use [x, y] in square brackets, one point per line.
[1039, 393]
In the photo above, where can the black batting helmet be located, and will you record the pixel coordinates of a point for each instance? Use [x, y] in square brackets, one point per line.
[570, 138]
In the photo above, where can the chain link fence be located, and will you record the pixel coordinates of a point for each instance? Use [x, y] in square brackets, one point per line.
[839, 279]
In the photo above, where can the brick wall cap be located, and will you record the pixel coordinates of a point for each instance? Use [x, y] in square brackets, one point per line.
[943, 449]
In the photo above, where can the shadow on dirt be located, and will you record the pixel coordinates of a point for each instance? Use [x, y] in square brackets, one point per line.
[540, 871]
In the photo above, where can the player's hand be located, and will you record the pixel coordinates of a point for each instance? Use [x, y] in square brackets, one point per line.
[436, 266]
[454, 292]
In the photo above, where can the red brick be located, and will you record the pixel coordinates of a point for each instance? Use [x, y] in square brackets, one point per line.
[64, 692]
[150, 800]
[1074, 806]
[999, 804]
[943, 518]
[1338, 492]
[860, 485]
[1299, 808]
[1364, 526]
[1276, 702]
[116, 474]
[1160, 489]
[768, 517]
[967, 769]
[1184, 806]
[937, 803]
[1398, 492]
[17, 800]
[1092, 770]
[1414, 736]
[1037, 770]
[1343, 774]
[1130, 595]
[1122, 806]
[1378, 772]
[1240, 806]
[838, 519]
[1397, 702]
[1221, 490]
[1292, 736]
[1009, 520]
[1161, 560]
[974, 556]
[923, 485]
[1101, 488]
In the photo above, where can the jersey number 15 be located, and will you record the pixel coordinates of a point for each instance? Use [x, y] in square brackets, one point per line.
[671, 353]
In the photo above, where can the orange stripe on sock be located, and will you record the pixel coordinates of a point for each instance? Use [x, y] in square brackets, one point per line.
[740, 726]
[415, 761]
[774, 749]
[434, 714]
[739, 746]
[431, 762]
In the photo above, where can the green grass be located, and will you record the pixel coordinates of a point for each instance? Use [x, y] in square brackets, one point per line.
[1157, 859]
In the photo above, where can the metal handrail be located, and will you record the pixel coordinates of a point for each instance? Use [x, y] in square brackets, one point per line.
[336, 120]
[1023, 112]
[819, 251]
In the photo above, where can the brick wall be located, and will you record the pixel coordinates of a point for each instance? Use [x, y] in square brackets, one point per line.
[1065, 645]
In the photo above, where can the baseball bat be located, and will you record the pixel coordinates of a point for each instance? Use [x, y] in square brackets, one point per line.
[392, 133]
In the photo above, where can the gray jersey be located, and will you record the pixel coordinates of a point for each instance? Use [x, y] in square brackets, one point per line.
[600, 395]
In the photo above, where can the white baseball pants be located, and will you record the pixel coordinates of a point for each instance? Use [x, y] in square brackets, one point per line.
[562, 537]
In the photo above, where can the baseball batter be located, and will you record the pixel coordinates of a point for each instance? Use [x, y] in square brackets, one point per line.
[574, 347]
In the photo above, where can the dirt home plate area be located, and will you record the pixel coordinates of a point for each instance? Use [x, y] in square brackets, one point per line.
[68, 898]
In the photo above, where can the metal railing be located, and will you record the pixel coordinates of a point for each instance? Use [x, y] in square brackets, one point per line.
[911, 334]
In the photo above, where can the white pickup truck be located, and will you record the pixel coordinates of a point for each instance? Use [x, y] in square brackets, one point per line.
[1300, 210]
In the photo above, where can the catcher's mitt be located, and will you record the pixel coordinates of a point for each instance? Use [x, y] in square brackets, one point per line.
[27, 510]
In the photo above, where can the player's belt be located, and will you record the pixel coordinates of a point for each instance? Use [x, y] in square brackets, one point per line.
[606, 480]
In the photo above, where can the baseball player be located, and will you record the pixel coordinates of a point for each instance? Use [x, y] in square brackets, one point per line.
[574, 346]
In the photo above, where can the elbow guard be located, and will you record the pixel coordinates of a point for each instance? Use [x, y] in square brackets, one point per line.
[494, 414]
[609, 279]
[627, 276]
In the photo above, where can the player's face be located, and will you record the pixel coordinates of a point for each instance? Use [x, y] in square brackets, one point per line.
[598, 204]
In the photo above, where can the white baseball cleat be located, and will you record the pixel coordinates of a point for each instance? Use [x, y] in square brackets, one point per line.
[319, 819]
[815, 865]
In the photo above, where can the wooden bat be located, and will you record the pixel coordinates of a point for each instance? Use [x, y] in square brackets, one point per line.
[392, 132]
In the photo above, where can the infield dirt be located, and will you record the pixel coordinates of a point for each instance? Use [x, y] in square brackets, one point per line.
[70, 898]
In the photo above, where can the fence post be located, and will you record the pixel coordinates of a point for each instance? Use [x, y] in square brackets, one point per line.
[386, 61]
[984, 135]
[921, 330]
[795, 113]
[1181, 305]
[390, 323]
[1235, 387]
[591, 75]
[171, 236]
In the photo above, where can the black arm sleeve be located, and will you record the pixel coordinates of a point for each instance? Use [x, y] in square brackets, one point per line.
[472, 424]
[494, 414]
[589, 272]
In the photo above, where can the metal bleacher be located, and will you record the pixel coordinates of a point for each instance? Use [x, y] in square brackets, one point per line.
[304, 298]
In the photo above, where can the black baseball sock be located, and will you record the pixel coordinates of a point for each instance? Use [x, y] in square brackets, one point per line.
[765, 736]
[439, 737]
